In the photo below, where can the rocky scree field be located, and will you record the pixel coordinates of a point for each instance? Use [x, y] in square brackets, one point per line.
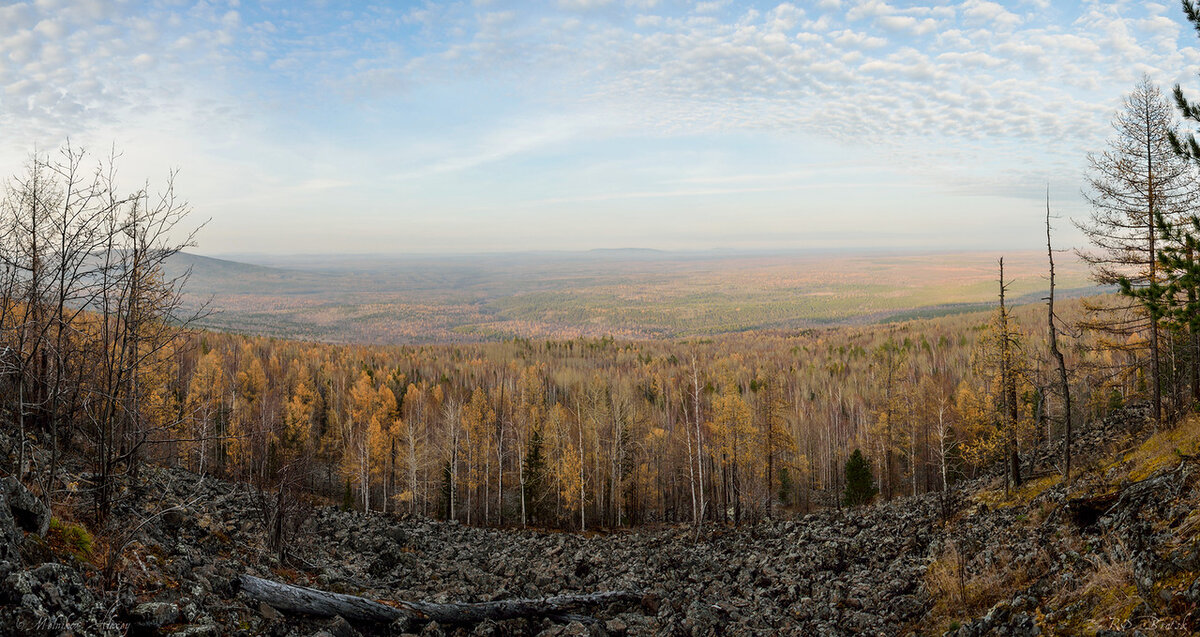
[1114, 551]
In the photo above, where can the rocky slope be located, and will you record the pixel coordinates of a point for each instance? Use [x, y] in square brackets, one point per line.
[1032, 562]
[1116, 551]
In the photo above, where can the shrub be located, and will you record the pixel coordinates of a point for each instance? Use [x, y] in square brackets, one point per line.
[69, 537]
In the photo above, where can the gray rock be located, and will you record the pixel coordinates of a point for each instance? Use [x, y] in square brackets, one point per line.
[268, 613]
[339, 627]
[27, 510]
[200, 630]
[174, 518]
[10, 535]
[1193, 592]
[155, 614]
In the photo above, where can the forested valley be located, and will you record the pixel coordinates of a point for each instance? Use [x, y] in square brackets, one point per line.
[570, 434]
[1022, 470]
[877, 459]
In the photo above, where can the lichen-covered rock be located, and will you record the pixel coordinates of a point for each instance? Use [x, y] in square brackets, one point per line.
[10, 535]
[155, 614]
[26, 509]
[1002, 619]
[53, 599]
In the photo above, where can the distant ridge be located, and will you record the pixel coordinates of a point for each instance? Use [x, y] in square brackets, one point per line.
[627, 251]
[215, 277]
[216, 265]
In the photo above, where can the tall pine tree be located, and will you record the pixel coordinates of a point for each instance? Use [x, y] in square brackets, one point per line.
[1139, 176]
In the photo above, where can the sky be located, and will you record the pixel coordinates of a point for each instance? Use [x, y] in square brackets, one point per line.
[349, 127]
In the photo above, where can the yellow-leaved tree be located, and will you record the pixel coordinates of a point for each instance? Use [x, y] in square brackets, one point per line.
[477, 419]
[568, 468]
[367, 431]
[778, 444]
[248, 431]
[299, 414]
[734, 437]
[204, 405]
[997, 363]
[412, 429]
[382, 427]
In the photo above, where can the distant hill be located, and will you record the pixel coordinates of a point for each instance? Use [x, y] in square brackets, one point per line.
[628, 292]
[221, 277]
[628, 252]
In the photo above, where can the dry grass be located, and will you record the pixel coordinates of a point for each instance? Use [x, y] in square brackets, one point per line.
[942, 581]
[996, 497]
[1111, 585]
[1162, 450]
[961, 591]
[1106, 596]
[1190, 527]
[1103, 596]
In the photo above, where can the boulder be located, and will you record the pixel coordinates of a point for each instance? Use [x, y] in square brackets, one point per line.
[27, 510]
[10, 536]
[155, 614]
[339, 627]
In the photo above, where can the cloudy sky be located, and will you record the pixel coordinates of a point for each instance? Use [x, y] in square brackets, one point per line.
[576, 124]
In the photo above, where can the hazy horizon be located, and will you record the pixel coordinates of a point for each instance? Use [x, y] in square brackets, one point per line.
[247, 257]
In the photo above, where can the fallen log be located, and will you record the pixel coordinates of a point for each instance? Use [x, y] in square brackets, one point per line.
[289, 598]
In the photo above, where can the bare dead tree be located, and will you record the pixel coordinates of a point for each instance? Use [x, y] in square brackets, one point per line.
[88, 309]
[52, 219]
[1008, 387]
[1064, 383]
[141, 308]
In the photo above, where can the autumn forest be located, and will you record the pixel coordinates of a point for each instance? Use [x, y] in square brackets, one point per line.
[597, 432]
[586, 432]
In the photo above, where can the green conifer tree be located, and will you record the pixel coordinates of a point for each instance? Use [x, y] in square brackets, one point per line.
[535, 475]
[860, 484]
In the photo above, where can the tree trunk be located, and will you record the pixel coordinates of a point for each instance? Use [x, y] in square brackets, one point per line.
[1152, 259]
[1064, 384]
[1008, 389]
[310, 601]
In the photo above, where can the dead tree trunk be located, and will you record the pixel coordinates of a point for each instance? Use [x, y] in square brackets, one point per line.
[310, 601]
[1064, 383]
